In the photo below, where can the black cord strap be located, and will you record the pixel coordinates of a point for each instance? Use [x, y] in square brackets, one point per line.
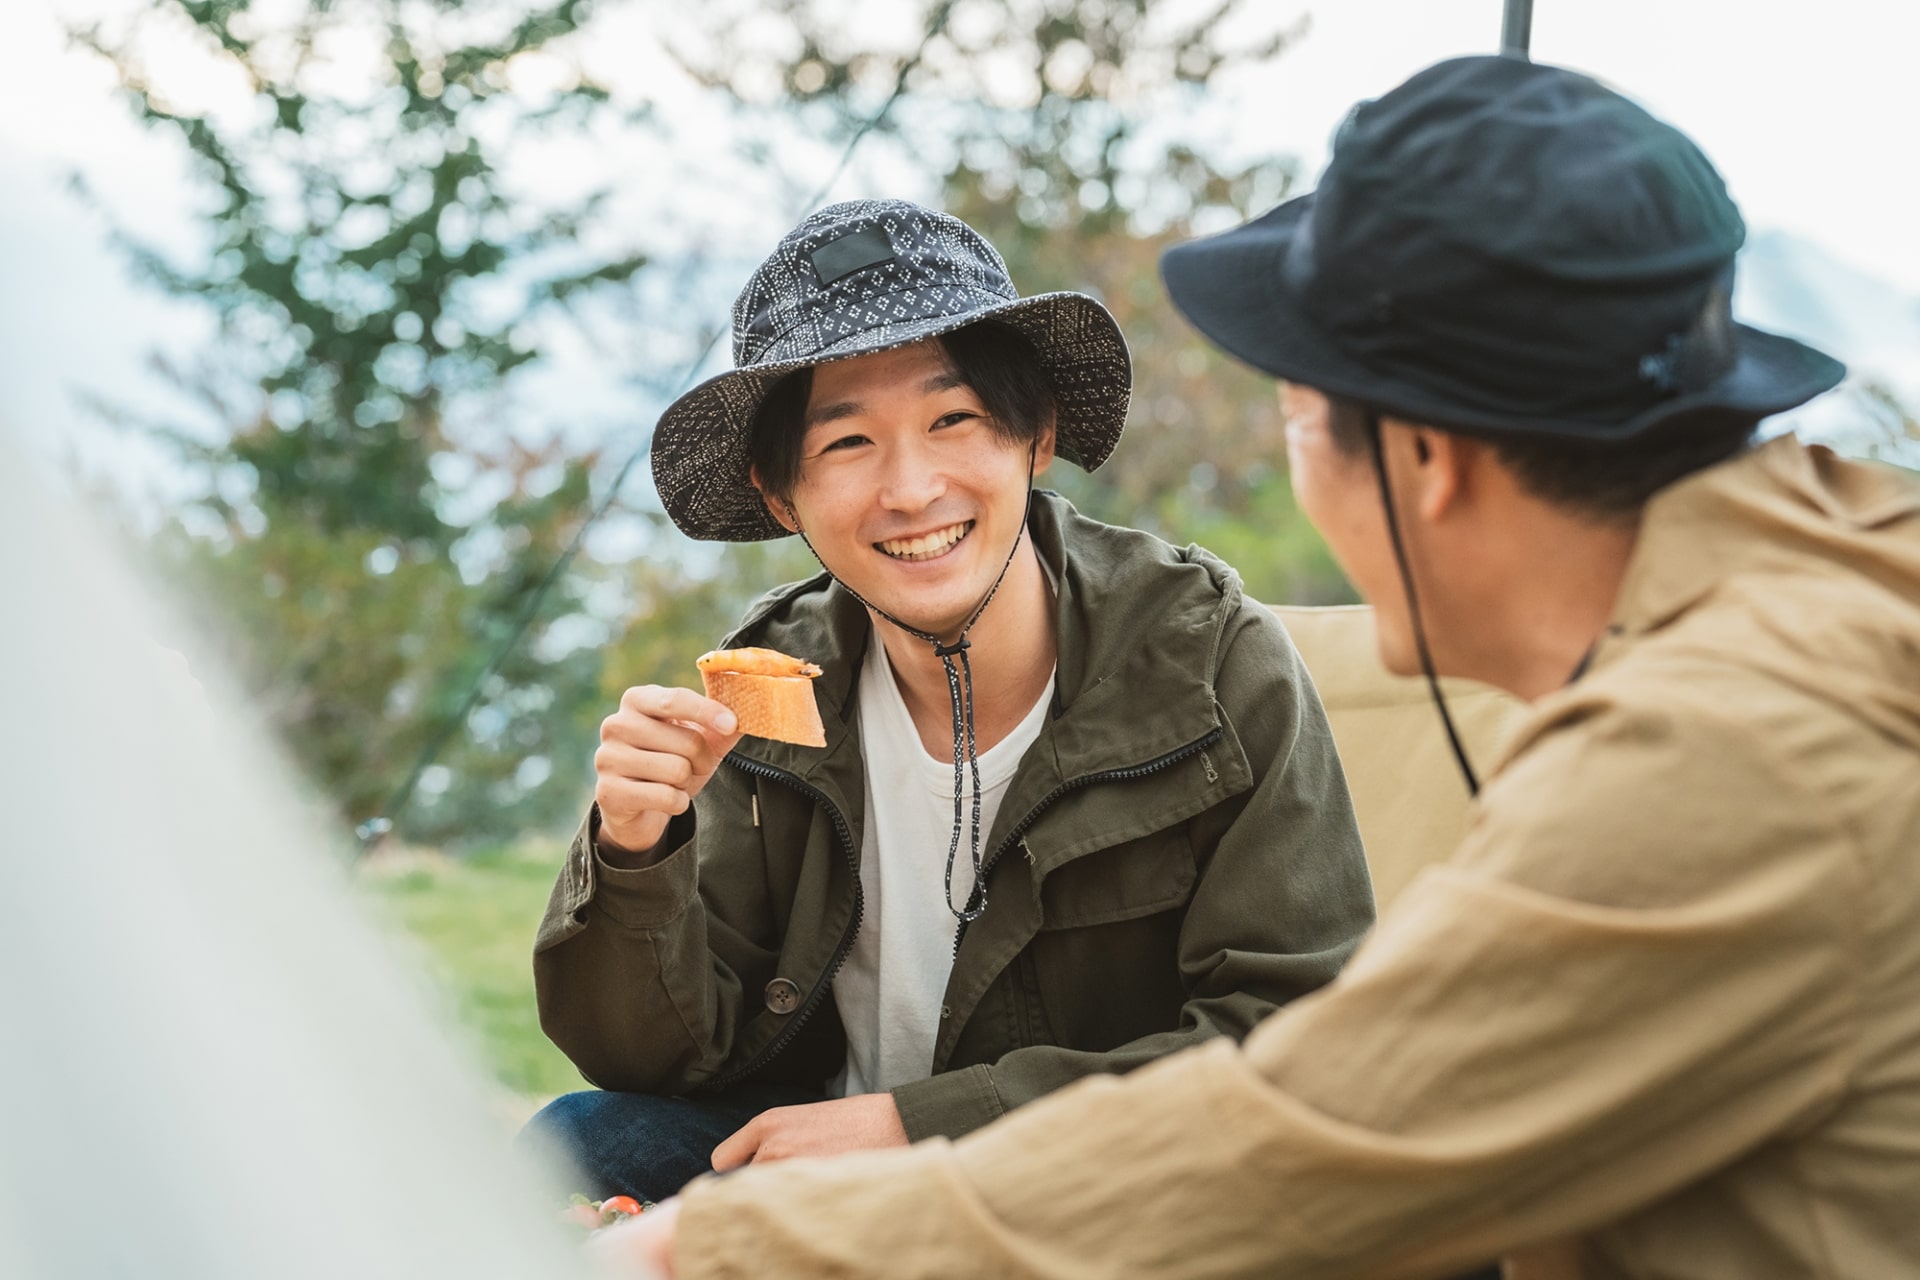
[1413, 605]
[963, 722]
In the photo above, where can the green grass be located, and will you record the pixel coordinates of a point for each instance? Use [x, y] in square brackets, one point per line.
[476, 918]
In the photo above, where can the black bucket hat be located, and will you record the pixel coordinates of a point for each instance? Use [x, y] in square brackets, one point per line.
[857, 278]
[1502, 247]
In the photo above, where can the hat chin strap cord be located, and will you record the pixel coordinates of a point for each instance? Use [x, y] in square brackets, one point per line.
[966, 755]
[1413, 604]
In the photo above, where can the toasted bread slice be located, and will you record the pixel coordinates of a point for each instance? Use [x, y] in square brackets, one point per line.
[770, 692]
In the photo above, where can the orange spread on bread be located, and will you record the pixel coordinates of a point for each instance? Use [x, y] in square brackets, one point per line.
[769, 692]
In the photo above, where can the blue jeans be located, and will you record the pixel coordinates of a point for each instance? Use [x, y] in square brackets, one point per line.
[644, 1145]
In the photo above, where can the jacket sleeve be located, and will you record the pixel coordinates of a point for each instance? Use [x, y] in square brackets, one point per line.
[1281, 898]
[1640, 967]
[638, 972]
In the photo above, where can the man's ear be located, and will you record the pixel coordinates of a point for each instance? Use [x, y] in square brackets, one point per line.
[1427, 465]
[1043, 445]
[1446, 463]
[779, 508]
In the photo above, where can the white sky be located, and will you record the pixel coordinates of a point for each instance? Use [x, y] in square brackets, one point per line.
[1808, 109]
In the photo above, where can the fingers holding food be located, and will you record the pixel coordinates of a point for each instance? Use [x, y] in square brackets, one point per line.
[681, 706]
[625, 732]
[656, 753]
[659, 749]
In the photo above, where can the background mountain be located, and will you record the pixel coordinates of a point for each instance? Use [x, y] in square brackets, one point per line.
[1797, 287]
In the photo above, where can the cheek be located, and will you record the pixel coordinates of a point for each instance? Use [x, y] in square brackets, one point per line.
[827, 494]
[1314, 487]
[1297, 472]
[994, 473]
[1339, 498]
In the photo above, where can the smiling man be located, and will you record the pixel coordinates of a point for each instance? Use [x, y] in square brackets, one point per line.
[1078, 806]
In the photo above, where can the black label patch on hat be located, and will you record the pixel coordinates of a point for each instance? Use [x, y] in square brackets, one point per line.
[855, 251]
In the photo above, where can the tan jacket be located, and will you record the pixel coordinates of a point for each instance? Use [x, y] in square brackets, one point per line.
[1664, 1000]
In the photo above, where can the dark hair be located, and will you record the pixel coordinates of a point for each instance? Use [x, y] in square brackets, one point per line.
[996, 361]
[1608, 479]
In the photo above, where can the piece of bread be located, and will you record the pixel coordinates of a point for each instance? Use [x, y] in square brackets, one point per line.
[771, 693]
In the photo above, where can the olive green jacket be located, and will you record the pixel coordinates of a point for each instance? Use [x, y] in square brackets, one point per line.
[1175, 857]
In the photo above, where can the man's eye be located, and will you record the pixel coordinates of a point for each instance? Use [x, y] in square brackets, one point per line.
[955, 418]
[844, 442]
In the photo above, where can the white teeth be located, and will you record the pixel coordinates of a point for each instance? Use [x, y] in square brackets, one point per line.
[927, 545]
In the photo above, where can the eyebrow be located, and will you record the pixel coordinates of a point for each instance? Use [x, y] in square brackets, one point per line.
[830, 413]
[945, 380]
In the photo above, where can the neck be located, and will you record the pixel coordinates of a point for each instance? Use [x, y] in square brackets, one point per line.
[1539, 598]
[1013, 647]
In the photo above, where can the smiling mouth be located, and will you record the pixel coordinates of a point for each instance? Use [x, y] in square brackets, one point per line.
[928, 546]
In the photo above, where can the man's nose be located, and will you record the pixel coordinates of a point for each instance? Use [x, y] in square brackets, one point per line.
[912, 478]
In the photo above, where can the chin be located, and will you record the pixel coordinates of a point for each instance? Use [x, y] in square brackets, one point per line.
[933, 606]
[935, 622]
[917, 609]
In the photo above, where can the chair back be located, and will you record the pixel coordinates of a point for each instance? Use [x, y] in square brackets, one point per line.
[1407, 791]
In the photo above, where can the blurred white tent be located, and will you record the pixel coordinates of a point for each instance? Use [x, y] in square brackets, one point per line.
[211, 1066]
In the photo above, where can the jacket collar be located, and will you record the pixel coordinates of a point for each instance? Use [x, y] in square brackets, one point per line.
[1775, 508]
[1139, 625]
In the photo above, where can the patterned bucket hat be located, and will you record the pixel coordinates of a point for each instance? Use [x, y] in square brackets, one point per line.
[853, 279]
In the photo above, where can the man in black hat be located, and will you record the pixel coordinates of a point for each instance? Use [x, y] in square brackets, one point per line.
[1659, 1015]
[1078, 805]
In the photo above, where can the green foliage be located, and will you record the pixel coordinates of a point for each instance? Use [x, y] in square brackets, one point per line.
[361, 526]
[1280, 556]
[1044, 105]
[475, 920]
[678, 616]
[347, 230]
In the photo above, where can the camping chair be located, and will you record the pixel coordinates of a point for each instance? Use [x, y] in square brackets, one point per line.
[1407, 790]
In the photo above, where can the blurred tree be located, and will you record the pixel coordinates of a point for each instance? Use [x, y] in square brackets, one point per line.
[375, 538]
[679, 615]
[363, 526]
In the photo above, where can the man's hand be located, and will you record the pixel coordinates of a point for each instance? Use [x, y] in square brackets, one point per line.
[656, 753]
[640, 1248]
[864, 1122]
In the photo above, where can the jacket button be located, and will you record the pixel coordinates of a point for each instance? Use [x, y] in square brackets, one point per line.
[946, 1011]
[782, 996]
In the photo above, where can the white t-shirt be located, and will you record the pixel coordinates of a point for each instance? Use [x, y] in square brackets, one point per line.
[889, 990]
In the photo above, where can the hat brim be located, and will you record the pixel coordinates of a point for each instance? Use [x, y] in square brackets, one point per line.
[701, 445]
[1231, 287]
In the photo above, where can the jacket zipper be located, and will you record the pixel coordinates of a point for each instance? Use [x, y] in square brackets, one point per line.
[1025, 824]
[799, 1017]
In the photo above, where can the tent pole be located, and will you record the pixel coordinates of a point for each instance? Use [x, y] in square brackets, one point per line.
[1516, 30]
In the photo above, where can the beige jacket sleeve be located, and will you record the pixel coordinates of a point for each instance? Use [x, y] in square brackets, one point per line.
[1635, 969]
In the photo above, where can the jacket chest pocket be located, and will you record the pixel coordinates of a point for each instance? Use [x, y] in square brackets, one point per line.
[1140, 877]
